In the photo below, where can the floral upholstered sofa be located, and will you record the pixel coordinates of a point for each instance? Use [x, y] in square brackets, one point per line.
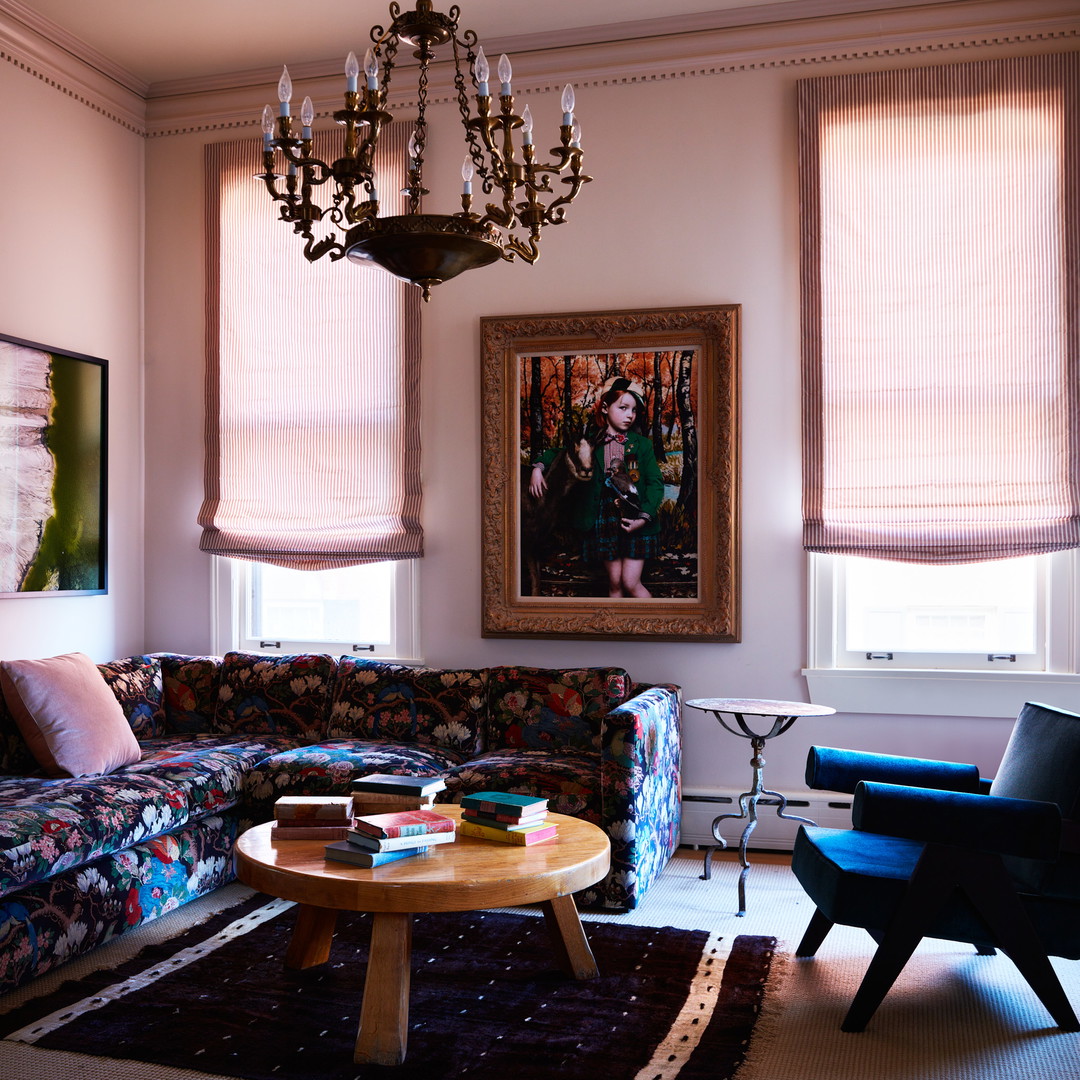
[219, 739]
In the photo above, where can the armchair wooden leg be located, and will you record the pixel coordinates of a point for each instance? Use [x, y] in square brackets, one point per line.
[815, 934]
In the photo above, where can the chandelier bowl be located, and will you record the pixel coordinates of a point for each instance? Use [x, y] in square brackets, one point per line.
[426, 249]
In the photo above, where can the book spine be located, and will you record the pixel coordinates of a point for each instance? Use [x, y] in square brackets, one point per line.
[500, 823]
[396, 843]
[392, 832]
[368, 859]
[532, 836]
[531, 818]
[509, 809]
[315, 832]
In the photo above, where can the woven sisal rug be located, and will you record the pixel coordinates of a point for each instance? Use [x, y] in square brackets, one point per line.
[486, 1002]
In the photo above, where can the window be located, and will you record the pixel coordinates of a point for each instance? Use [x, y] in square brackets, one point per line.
[313, 429]
[942, 379]
[366, 610]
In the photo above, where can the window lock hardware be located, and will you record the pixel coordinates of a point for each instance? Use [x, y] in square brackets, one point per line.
[879, 656]
[1011, 657]
[363, 648]
[269, 644]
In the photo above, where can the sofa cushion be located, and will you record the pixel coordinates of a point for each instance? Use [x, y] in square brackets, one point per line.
[570, 780]
[275, 695]
[328, 768]
[432, 706]
[68, 716]
[50, 825]
[190, 685]
[541, 708]
[137, 684]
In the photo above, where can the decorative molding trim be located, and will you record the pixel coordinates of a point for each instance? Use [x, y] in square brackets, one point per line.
[691, 46]
[46, 52]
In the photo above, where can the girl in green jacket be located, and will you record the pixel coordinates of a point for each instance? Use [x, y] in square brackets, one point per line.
[617, 510]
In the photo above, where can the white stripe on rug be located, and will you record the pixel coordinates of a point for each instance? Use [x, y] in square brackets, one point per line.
[236, 929]
[674, 1050]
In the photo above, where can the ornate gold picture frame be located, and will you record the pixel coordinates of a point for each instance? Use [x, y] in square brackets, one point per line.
[610, 473]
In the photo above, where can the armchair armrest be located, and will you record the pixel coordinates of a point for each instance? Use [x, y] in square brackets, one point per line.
[841, 770]
[1022, 827]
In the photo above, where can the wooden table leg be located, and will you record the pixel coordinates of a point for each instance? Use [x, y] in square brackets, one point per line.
[568, 936]
[311, 937]
[384, 1016]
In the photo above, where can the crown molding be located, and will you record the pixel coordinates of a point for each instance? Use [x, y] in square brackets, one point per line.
[774, 35]
[891, 31]
[47, 52]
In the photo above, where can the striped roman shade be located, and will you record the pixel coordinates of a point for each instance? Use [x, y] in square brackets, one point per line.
[941, 310]
[313, 396]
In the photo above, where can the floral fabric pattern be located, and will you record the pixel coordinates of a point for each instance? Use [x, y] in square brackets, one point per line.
[82, 907]
[567, 780]
[538, 709]
[329, 768]
[436, 707]
[190, 692]
[275, 695]
[138, 686]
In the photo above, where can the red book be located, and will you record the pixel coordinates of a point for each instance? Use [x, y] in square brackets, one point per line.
[504, 821]
[308, 832]
[403, 823]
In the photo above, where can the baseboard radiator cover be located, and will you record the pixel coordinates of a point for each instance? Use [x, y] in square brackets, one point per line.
[829, 809]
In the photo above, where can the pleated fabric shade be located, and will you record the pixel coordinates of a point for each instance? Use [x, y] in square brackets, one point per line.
[313, 395]
[940, 212]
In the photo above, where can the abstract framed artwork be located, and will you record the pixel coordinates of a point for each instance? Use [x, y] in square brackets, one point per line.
[53, 468]
[610, 475]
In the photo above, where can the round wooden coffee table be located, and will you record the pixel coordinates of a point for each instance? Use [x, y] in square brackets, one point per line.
[467, 875]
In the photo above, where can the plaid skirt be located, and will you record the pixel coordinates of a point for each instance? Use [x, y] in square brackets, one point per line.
[606, 541]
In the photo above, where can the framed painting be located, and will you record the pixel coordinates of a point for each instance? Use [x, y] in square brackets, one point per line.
[53, 427]
[610, 467]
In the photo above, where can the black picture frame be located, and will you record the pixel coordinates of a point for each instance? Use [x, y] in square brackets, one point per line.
[53, 471]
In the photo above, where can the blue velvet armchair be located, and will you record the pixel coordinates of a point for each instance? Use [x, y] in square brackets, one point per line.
[936, 851]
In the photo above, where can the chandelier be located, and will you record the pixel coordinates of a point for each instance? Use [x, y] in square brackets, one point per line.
[426, 249]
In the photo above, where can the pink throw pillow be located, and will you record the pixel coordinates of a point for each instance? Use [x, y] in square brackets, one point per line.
[68, 716]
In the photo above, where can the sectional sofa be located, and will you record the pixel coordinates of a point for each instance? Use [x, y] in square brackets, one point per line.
[219, 739]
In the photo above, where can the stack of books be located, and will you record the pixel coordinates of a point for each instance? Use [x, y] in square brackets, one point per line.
[376, 839]
[509, 818]
[312, 817]
[384, 793]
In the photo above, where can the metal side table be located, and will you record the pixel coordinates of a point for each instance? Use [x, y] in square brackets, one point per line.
[783, 714]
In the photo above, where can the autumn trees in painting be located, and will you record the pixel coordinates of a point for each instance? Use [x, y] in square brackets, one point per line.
[558, 395]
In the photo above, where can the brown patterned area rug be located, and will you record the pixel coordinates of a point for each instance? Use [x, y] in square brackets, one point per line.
[486, 1002]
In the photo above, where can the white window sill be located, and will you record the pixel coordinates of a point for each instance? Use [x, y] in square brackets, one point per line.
[910, 692]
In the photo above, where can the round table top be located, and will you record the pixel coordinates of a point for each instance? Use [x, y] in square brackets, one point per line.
[466, 875]
[760, 707]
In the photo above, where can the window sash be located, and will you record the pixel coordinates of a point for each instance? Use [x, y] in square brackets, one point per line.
[942, 419]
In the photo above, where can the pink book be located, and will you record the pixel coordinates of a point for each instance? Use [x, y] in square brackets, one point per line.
[403, 823]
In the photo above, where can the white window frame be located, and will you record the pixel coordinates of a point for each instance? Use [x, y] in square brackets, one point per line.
[230, 585]
[940, 688]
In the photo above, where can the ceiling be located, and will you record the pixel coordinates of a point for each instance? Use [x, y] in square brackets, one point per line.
[163, 40]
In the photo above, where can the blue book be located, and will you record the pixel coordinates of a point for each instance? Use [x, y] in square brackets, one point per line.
[505, 803]
[343, 851]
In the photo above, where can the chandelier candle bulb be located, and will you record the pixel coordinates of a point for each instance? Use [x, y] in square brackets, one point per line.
[352, 72]
[371, 70]
[526, 126]
[284, 91]
[568, 105]
[307, 118]
[575, 135]
[466, 176]
[482, 70]
[268, 128]
[506, 73]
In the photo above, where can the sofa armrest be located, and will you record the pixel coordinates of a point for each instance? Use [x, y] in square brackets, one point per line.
[641, 783]
[830, 769]
[1021, 827]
